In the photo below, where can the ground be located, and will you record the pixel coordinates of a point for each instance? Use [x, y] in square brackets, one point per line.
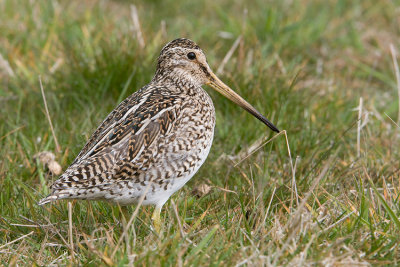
[324, 192]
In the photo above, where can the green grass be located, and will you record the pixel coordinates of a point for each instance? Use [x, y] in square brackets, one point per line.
[305, 64]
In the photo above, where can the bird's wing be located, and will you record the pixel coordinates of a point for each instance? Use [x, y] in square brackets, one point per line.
[120, 139]
[126, 107]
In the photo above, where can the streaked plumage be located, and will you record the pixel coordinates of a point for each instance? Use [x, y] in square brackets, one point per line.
[160, 135]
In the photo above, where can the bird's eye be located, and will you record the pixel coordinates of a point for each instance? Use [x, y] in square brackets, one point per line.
[191, 55]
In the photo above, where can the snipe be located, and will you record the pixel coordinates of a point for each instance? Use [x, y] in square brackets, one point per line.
[157, 138]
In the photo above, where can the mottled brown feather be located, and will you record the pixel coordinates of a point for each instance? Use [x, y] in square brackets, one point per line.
[160, 135]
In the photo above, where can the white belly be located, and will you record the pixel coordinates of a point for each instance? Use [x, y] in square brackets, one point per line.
[159, 196]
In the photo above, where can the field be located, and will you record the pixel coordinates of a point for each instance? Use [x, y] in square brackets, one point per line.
[325, 192]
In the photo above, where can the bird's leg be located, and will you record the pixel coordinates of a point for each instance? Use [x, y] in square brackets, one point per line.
[125, 219]
[157, 219]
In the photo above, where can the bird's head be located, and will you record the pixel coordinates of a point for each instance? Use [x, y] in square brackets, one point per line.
[182, 59]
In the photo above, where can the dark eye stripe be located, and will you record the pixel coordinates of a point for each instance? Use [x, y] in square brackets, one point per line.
[204, 69]
[191, 55]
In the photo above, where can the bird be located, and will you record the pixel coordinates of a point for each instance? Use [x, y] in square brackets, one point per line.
[155, 140]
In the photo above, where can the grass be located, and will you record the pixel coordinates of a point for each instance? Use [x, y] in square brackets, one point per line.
[305, 64]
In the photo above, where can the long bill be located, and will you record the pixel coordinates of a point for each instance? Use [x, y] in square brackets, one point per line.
[222, 88]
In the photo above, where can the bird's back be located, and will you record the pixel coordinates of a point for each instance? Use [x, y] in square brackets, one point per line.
[159, 135]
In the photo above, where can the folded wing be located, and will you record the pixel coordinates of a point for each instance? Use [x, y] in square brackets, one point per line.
[114, 151]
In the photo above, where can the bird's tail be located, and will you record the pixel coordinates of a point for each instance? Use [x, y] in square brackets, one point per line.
[48, 199]
[74, 193]
[55, 195]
